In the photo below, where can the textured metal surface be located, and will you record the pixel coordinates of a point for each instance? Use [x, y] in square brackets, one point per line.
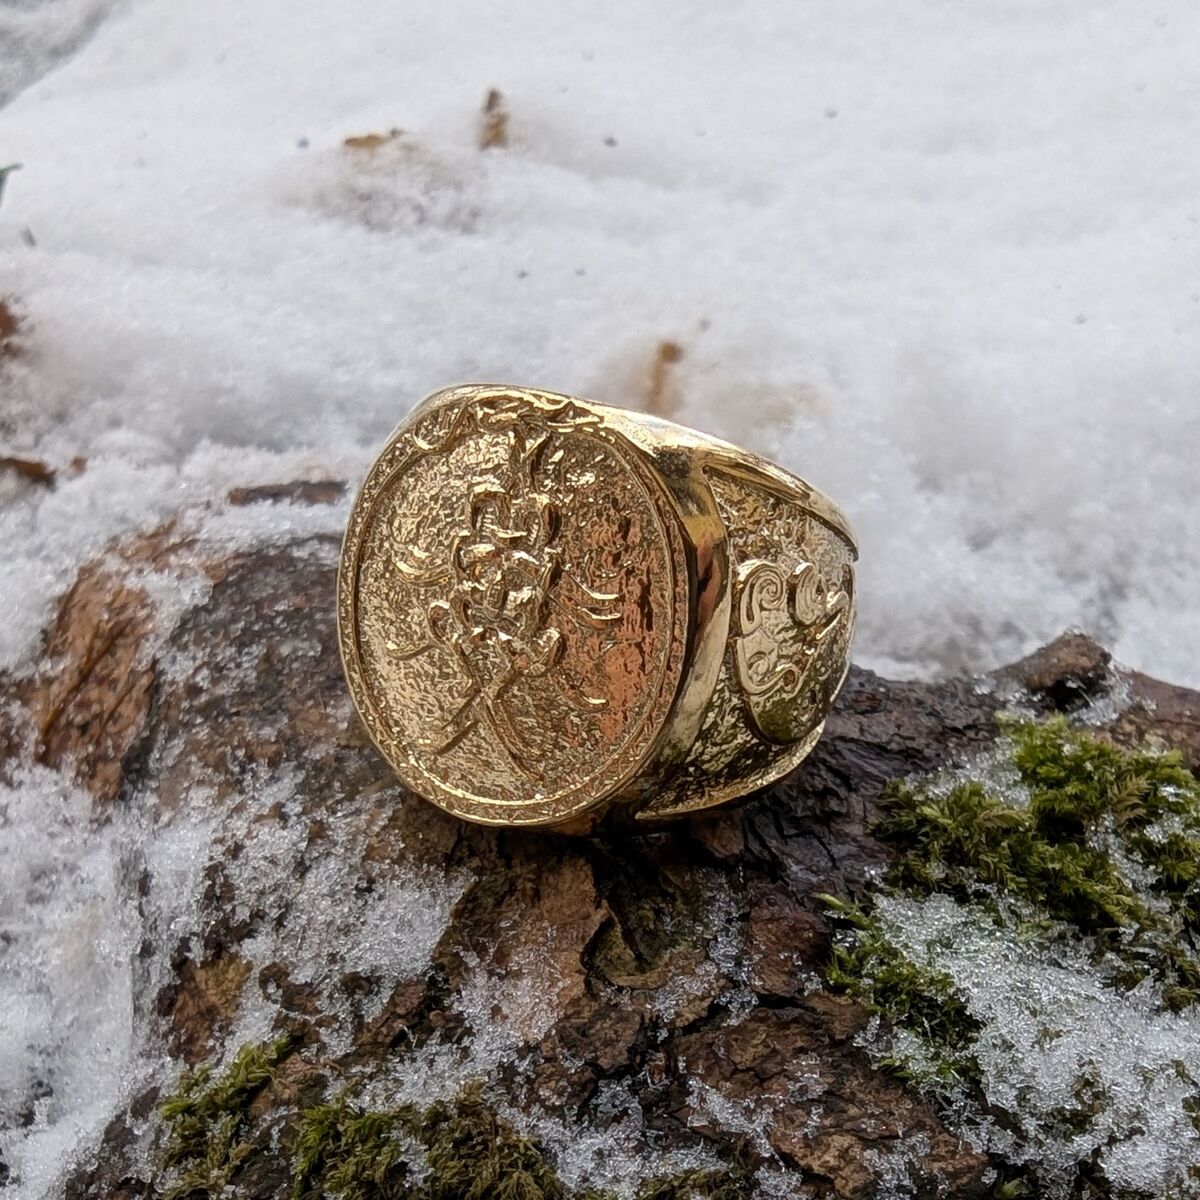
[551, 610]
[788, 646]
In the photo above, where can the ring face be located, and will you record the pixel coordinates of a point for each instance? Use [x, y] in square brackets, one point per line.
[512, 606]
[555, 612]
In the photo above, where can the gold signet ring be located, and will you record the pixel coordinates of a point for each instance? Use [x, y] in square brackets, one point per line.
[560, 613]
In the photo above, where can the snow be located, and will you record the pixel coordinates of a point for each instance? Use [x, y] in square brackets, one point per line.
[92, 911]
[942, 259]
[36, 34]
[1055, 1035]
[73, 993]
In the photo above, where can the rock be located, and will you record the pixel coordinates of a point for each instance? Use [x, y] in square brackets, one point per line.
[788, 939]
[1064, 673]
[299, 491]
[680, 970]
[833, 1115]
[90, 701]
[202, 1003]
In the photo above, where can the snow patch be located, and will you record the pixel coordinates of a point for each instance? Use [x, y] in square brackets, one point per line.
[1055, 1036]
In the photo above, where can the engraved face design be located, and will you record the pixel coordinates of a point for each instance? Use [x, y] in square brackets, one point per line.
[515, 608]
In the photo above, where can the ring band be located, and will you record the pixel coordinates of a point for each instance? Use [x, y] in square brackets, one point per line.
[559, 613]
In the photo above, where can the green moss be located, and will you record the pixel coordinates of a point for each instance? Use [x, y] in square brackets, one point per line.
[1101, 851]
[1011, 1188]
[344, 1151]
[912, 995]
[1056, 853]
[1055, 856]
[472, 1154]
[206, 1122]
[457, 1150]
[716, 1183]
[448, 1151]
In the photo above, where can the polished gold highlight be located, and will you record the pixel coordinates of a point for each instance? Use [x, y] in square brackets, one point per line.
[554, 612]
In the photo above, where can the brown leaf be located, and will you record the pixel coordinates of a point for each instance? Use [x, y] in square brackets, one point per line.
[10, 327]
[298, 491]
[493, 128]
[661, 398]
[372, 141]
[32, 469]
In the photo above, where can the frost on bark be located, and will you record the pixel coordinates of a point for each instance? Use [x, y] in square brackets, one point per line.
[661, 998]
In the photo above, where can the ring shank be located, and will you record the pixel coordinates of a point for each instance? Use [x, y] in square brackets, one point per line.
[786, 651]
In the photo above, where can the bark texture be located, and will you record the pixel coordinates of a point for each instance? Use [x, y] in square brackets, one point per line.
[684, 964]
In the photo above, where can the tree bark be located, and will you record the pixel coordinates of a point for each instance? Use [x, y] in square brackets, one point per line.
[682, 966]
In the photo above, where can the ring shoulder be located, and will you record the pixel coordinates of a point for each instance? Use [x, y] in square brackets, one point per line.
[787, 652]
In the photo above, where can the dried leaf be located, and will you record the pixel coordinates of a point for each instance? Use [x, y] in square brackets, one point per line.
[32, 469]
[493, 130]
[372, 141]
[660, 398]
[298, 491]
[10, 328]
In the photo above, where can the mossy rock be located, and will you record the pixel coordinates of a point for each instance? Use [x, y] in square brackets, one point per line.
[1079, 860]
[672, 994]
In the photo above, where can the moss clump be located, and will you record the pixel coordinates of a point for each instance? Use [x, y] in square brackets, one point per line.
[345, 1151]
[457, 1150]
[1094, 812]
[444, 1152]
[1108, 846]
[448, 1150]
[912, 995]
[1086, 868]
[206, 1122]
[717, 1183]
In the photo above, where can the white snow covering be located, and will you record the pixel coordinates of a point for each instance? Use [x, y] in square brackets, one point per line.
[1054, 1041]
[74, 994]
[943, 259]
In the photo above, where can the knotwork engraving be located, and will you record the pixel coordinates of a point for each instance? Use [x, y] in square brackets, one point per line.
[506, 599]
[789, 621]
[519, 599]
